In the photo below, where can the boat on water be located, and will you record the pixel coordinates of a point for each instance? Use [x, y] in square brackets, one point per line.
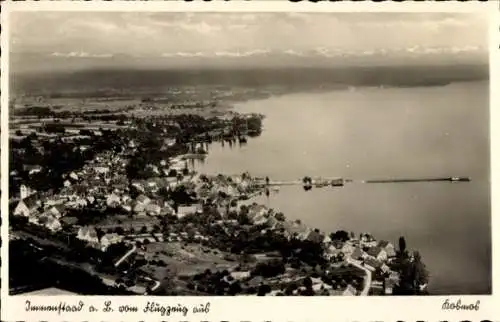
[337, 182]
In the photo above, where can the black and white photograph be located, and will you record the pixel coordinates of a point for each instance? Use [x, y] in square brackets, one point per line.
[248, 153]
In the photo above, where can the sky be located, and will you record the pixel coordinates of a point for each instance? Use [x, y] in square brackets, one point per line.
[256, 38]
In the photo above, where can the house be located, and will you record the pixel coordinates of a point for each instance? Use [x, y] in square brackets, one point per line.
[143, 199]
[27, 206]
[57, 210]
[240, 275]
[357, 254]
[372, 264]
[271, 222]
[25, 192]
[110, 239]
[377, 253]
[153, 209]
[389, 285]
[260, 219]
[347, 248]
[332, 253]
[319, 285]
[55, 201]
[385, 269]
[101, 169]
[69, 221]
[256, 210]
[32, 169]
[33, 219]
[138, 186]
[88, 234]
[349, 291]
[187, 210]
[127, 208]
[141, 202]
[73, 176]
[50, 222]
[388, 247]
[113, 200]
[167, 209]
[77, 202]
[53, 224]
[315, 236]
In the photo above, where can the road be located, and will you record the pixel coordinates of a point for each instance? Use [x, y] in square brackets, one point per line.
[368, 276]
[124, 257]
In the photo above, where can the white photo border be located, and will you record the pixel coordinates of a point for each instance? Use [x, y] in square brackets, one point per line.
[300, 309]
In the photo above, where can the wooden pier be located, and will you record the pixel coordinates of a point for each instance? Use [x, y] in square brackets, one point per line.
[339, 182]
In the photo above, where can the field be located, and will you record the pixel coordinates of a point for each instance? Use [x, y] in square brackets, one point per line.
[183, 259]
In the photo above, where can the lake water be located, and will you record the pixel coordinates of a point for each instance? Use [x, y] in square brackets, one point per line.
[383, 133]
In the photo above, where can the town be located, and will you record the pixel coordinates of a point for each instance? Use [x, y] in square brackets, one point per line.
[110, 202]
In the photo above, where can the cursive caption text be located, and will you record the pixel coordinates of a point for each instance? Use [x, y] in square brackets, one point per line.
[457, 305]
[108, 307]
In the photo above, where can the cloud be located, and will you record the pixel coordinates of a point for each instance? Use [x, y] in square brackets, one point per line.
[81, 55]
[292, 52]
[183, 54]
[187, 35]
[242, 54]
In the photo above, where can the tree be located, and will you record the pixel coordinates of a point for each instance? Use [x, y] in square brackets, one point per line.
[421, 275]
[341, 235]
[290, 288]
[402, 245]
[280, 216]
[234, 288]
[263, 290]
[307, 282]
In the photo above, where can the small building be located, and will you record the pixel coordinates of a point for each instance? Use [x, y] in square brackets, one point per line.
[73, 176]
[167, 209]
[88, 234]
[357, 254]
[349, 291]
[50, 223]
[69, 221]
[315, 236]
[385, 269]
[127, 207]
[389, 285]
[27, 206]
[25, 192]
[240, 275]
[113, 200]
[388, 247]
[33, 169]
[348, 248]
[378, 253]
[188, 210]
[372, 264]
[110, 239]
[57, 211]
[143, 199]
[101, 169]
[153, 209]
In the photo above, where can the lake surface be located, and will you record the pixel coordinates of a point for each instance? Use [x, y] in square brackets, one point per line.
[370, 133]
